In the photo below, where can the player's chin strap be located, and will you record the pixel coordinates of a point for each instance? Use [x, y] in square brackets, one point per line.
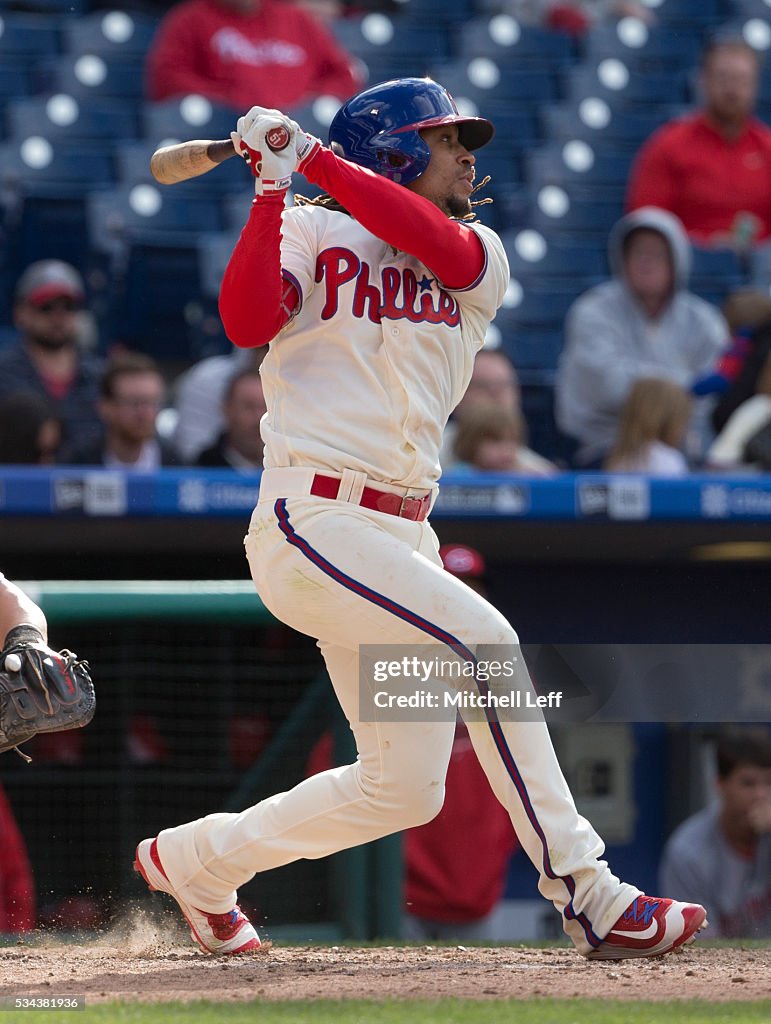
[22, 755]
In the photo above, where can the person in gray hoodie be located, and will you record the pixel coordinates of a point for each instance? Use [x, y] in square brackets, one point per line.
[641, 323]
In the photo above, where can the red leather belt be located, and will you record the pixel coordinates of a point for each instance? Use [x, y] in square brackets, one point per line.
[408, 506]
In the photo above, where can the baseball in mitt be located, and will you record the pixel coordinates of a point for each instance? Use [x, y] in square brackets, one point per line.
[41, 690]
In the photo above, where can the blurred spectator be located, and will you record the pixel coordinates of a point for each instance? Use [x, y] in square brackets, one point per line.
[746, 438]
[241, 52]
[132, 394]
[240, 445]
[489, 438]
[47, 360]
[652, 429]
[30, 432]
[712, 168]
[721, 856]
[200, 392]
[456, 864]
[17, 888]
[575, 17]
[748, 312]
[641, 323]
[494, 381]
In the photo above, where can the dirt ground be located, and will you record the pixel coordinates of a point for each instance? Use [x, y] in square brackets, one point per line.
[142, 960]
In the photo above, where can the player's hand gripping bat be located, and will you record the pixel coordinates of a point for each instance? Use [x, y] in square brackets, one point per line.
[184, 160]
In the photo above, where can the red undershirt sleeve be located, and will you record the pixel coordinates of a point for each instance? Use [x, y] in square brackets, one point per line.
[451, 250]
[255, 300]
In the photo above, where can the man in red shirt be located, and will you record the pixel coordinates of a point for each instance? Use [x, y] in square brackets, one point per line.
[242, 52]
[712, 168]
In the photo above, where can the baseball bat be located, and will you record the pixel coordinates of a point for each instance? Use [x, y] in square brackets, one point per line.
[184, 160]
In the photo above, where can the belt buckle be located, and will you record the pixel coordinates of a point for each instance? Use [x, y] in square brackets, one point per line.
[403, 506]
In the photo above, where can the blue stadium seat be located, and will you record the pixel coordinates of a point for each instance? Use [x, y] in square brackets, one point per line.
[214, 251]
[315, 117]
[481, 80]
[44, 184]
[558, 213]
[449, 11]
[91, 75]
[374, 35]
[28, 35]
[599, 124]
[110, 33]
[15, 78]
[62, 116]
[640, 47]
[236, 206]
[715, 273]
[695, 14]
[760, 268]
[148, 213]
[158, 302]
[192, 117]
[502, 37]
[534, 350]
[577, 162]
[531, 256]
[537, 308]
[611, 80]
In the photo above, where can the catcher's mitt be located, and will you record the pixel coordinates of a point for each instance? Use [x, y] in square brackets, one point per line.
[40, 690]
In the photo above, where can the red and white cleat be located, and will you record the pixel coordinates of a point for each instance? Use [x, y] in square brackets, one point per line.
[651, 926]
[223, 934]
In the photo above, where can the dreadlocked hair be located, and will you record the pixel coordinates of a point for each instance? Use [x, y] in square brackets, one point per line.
[330, 203]
[325, 199]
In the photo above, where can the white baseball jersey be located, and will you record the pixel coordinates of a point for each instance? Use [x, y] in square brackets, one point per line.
[390, 351]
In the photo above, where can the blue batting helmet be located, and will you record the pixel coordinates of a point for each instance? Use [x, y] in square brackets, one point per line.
[379, 128]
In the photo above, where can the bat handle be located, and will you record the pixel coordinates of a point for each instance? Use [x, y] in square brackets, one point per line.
[186, 160]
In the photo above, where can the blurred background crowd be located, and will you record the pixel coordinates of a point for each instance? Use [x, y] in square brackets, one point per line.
[629, 176]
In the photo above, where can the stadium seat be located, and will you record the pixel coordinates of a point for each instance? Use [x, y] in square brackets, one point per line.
[91, 75]
[577, 162]
[449, 11]
[611, 80]
[597, 123]
[315, 117]
[640, 47]
[534, 350]
[15, 78]
[109, 34]
[131, 214]
[27, 35]
[694, 14]
[214, 251]
[559, 213]
[534, 307]
[158, 301]
[43, 184]
[373, 35]
[502, 37]
[481, 80]
[60, 115]
[192, 117]
[531, 256]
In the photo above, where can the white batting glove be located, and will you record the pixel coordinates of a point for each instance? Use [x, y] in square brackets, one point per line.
[273, 145]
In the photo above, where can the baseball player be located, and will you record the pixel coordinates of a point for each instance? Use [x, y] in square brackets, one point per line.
[374, 300]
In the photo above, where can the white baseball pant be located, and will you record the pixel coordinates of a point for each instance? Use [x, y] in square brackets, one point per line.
[350, 576]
